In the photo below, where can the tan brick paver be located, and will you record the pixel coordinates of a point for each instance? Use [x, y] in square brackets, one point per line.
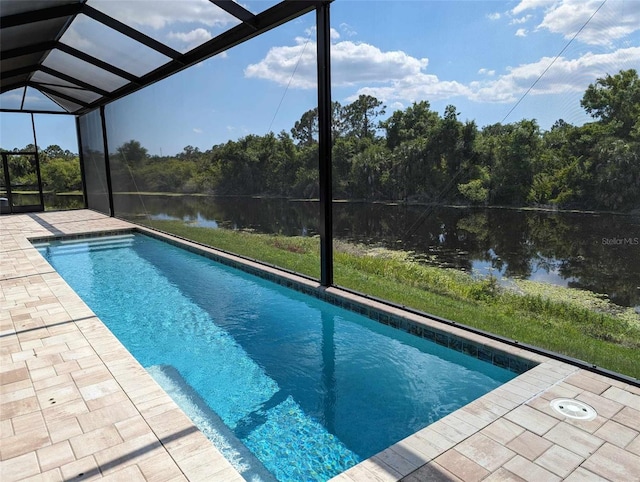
[63, 409]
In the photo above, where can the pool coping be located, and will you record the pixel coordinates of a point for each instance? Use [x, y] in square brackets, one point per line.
[444, 445]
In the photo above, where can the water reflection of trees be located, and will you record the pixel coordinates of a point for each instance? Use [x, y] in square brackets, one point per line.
[272, 216]
[570, 244]
[594, 264]
[515, 243]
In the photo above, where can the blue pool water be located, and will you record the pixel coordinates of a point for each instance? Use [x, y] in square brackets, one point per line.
[287, 386]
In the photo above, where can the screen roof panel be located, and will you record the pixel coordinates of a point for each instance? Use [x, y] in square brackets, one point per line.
[12, 99]
[37, 101]
[110, 48]
[180, 25]
[31, 33]
[17, 63]
[83, 71]
[23, 6]
[64, 103]
[32, 100]
[82, 95]
[10, 83]
[51, 80]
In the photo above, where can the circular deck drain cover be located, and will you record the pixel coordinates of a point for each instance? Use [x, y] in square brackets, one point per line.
[573, 409]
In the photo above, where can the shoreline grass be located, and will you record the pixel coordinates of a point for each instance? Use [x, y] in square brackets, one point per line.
[572, 322]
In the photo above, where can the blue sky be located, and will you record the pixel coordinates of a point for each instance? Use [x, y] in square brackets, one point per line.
[481, 56]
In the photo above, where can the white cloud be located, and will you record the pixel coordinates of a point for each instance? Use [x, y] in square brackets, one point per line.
[517, 21]
[197, 131]
[191, 39]
[333, 33]
[77, 39]
[525, 5]
[494, 16]
[521, 32]
[13, 95]
[16, 96]
[351, 63]
[237, 129]
[388, 75]
[415, 88]
[565, 75]
[347, 29]
[280, 62]
[163, 13]
[357, 62]
[615, 20]
[395, 76]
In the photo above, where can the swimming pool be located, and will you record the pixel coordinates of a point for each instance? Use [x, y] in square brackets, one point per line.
[287, 386]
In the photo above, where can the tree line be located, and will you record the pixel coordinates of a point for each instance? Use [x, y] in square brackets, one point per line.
[59, 169]
[418, 155]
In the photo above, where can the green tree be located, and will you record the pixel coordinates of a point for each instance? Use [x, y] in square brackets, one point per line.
[449, 141]
[277, 158]
[306, 174]
[189, 153]
[476, 191]
[511, 150]
[54, 151]
[369, 173]
[22, 169]
[548, 185]
[416, 121]
[132, 153]
[344, 149]
[615, 100]
[617, 179]
[61, 175]
[360, 116]
[165, 175]
[305, 130]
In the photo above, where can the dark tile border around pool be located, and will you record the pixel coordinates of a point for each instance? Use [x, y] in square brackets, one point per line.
[485, 353]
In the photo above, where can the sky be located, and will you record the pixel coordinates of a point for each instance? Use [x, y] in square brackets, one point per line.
[496, 61]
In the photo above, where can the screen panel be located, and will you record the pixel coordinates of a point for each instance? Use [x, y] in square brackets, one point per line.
[209, 152]
[478, 159]
[94, 162]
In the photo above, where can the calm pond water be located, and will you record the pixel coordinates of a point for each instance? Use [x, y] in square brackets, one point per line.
[598, 252]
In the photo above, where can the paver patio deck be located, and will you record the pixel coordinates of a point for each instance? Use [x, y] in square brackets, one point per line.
[75, 405]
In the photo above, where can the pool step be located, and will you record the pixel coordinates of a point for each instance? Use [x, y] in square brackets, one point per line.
[209, 423]
[82, 245]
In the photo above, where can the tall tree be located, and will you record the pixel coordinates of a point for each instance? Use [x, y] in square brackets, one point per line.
[449, 140]
[615, 101]
[132, 153]
[54, 151]
[513, 148]
[305, 130]
[360, 116]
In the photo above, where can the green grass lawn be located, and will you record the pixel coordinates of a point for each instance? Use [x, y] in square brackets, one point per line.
[576, 323]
